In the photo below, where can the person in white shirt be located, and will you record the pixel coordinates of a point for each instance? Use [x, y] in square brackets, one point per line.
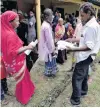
[75, 40]
[89, 46]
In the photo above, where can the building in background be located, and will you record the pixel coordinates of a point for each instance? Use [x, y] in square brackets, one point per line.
[38, 6]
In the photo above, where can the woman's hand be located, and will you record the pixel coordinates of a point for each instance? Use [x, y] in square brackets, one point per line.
[22, 49]
[30, 47]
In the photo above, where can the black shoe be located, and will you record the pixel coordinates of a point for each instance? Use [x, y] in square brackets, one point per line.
[53, 75]
[50, 75]
[75, 102]
[71, 70]
[83, 95]
[65, 57]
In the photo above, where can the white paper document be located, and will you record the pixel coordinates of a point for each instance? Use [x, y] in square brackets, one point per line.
[27, 52]
[63, 45]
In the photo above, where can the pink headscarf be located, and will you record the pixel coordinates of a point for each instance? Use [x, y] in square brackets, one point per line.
[60, 30]
[10, 42]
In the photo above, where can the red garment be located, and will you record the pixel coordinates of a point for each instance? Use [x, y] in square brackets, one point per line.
[59, 31]
[15, 64]
[10, 41]
[3, 69]
[70, 31]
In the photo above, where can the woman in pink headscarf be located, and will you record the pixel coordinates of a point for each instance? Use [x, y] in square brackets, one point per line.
[14, 58]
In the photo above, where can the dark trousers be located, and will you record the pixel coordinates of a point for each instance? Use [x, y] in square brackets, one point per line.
[80, 78]
[4, 85]
[4, 88]
[31, 59]
[62, 56]
[2, 93]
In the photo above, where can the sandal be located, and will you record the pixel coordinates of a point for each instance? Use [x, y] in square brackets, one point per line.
[4, 102]
[9, 93]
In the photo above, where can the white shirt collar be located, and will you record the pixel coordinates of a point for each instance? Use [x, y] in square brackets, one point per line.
[92, 20]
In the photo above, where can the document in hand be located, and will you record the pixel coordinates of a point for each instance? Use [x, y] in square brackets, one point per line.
[63, 45]
[27, 52]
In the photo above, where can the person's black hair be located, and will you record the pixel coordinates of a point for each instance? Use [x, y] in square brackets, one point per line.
[66, 13]
[88, 8]
[56, 11]
[31, 10]
[98, 15]
[77, 14]
[73, 14]
[67, 20]
[70, 16]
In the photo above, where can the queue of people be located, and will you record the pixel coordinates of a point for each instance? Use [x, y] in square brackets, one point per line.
[78, 30]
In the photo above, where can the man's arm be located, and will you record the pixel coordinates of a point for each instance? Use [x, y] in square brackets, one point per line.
[73, 40]
[85, 48]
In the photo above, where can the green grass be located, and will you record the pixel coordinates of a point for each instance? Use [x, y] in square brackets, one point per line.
[93, 97]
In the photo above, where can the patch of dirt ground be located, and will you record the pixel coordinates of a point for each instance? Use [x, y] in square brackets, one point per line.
[93, 97]
[56, 92]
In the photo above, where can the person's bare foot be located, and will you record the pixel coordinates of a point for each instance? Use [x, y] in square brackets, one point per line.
[9, 93]
[90, 80]
[4, 102]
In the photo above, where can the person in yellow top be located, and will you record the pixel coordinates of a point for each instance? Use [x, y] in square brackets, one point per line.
[59, 30]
